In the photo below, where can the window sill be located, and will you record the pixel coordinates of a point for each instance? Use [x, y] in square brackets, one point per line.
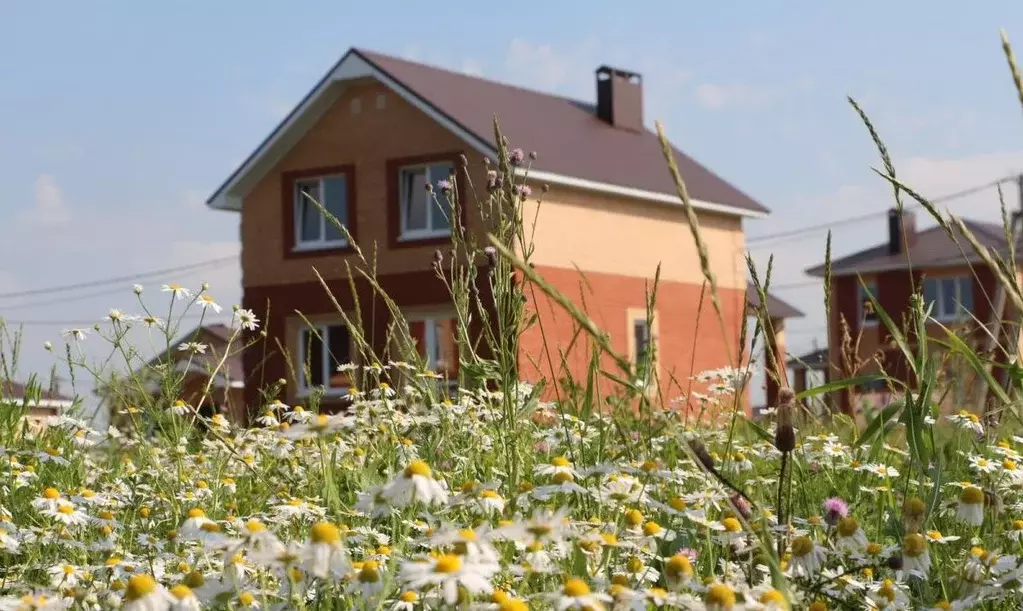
[423, 236]
[317, 246]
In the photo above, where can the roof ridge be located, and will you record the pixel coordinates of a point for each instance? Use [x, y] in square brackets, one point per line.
[368, 55]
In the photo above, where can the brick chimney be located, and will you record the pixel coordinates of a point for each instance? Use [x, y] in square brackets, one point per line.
[620, 98]
[901, 231]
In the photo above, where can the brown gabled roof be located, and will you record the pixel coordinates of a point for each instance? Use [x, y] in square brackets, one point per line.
[931, 248]
[574, 146]
[15, 391]
[569, 137]
[232, 367]
[776, 308]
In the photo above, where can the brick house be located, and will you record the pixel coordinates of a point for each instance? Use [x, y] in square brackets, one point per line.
[952, 278]
[376, 129]
[40, 404]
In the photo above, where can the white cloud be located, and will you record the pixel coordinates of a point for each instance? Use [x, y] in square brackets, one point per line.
[720, 96]
[472, 67]
[193, 199]
[49, 207]
[717, 97]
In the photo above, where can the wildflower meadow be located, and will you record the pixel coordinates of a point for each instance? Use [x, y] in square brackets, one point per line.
[484, 493]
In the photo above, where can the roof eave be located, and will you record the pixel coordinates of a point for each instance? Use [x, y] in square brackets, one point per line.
[634, 193]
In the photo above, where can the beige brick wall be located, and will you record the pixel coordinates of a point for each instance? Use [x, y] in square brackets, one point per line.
[366, 139]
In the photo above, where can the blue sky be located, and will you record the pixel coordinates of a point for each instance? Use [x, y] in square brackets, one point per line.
[120, 118]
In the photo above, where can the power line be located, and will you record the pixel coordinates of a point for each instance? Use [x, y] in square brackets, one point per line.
[772, 237]
[89, 323]
[122, 279]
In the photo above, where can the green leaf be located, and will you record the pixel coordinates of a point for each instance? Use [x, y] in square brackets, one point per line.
[957, 345]
[759, 431]
[877, 424]
[837, 385]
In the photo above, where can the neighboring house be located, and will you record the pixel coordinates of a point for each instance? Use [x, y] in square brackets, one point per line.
[376, 129]
[225, 393]
[40, 405]
[953, 279]
[810, 370]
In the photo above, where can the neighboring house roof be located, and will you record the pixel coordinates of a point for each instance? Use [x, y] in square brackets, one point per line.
[231, 372]
[776, 308]
[930, 248]
[575, 147]
[14, 392]
[815, 361]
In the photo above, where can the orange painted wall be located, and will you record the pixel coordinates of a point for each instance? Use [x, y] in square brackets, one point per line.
[686, 344]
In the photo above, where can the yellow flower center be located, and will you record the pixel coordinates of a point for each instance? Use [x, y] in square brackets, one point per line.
[181, 591]
[255, 526]
[467, 534]
[914, 545]
[418, 467]
[651, 528]
[447, 563]
[246, 599]
[51, 494]
[575, 588]
[678, 566]
[194, 580]
[370, 572]
[140, 586]
[489, 494]
[971, 495]
[562, 477]
[934, 535]
[409, 597]
[195, 512]
[633, 517]
[802, 546]
[732, 525]
[721, 595]
[677, 504]
[817, 605]
[847, 527]
[773, 597]
[65, 509]
[560, 461]
[887, 590]
[649, 466]
[874, 548]
[325, 532]
[914, 508]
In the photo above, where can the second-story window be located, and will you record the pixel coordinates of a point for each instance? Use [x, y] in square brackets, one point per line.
[949, 298]
[313, 230]
[425, 214]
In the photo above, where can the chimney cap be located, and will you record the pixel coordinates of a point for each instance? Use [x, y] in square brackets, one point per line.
[608, 71]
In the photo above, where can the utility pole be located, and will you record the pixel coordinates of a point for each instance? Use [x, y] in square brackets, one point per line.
[998, 305]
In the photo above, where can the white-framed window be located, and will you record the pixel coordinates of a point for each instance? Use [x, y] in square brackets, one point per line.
[424, 214]
[952, 298]
[867, 314]
[322, 349]
[312, 229]
[436, 341]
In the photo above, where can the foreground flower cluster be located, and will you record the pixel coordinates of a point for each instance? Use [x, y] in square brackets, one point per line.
[405, 504]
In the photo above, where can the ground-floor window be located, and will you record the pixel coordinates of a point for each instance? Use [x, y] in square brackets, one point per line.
[323, 348]
[436, 340]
